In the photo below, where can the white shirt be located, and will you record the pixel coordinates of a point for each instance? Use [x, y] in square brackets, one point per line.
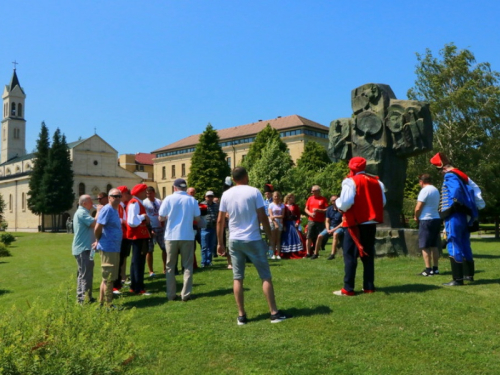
[478, 195]
[152, 210]
[133, 217]
[348, 192]
[181, 210]
[429, 196]
[241, 203]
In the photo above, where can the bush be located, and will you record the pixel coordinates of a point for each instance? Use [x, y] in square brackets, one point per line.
[4, 252]
[66, 338]
[7, 238]
[3, 225]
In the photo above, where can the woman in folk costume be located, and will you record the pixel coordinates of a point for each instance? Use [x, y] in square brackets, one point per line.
[460, 200]
[292, 241]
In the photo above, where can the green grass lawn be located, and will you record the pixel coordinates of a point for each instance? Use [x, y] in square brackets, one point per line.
[412, 325]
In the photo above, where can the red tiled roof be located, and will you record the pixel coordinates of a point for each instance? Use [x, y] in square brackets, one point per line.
[279, 123]
[144, 158]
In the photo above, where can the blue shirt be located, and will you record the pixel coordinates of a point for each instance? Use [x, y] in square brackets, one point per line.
[334, 215]
[84, 234]
[111, 238]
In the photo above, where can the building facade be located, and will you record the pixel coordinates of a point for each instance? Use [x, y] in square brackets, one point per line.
[174, 160]
[94, 164]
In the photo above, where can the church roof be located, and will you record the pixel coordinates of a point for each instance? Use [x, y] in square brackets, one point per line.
[17, 159]
[14, 82]
[76, 143]
[279, 123]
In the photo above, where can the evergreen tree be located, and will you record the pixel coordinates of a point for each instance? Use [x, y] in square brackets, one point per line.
[464, 98]
[314, 157]
[271, 167]
[36, 202]
[57, 182]
[209, 166]
[261, 141]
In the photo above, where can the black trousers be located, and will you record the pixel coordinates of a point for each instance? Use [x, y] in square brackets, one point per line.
[124, 253]
[351, 253]
[137, 264]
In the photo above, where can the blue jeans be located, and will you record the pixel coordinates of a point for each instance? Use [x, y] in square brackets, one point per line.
[208, 245]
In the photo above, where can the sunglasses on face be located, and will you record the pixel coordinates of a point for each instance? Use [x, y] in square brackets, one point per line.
[115, 196]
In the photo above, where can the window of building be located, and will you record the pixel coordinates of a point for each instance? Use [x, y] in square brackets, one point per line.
[13, 109]
[10, 202]
[81, 188]
[163, 173]
[229, 162]
[183, 170]
[20, 110]
[163, 192]
[173, 171]
[23, 202]
[139, 167]
[108, 188]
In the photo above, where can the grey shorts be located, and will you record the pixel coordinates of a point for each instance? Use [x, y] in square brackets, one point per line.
[314, 228]
[256, 251]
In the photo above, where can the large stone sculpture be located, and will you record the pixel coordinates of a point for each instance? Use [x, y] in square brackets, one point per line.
[385, 131]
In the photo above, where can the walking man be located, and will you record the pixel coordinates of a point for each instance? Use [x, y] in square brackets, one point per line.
[362, 200]
[83, 240]
[180, 210]
[429, 224]
[245, 207]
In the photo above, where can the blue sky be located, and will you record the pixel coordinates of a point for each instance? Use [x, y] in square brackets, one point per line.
[148, 73]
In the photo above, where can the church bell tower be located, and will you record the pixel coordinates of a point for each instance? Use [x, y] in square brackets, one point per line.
[13, 131]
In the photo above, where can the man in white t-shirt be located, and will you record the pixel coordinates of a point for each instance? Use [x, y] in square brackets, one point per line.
[179, 210]
[245, 208]
[429, 224]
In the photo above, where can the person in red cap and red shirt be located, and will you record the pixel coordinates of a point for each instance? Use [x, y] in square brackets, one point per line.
[138, 233]
[362, 201]
[460, 200]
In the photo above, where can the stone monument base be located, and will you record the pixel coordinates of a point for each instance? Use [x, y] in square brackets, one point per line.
[397, 241]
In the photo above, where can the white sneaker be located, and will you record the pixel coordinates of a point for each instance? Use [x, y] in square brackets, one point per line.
[278, 257]
[273, 257]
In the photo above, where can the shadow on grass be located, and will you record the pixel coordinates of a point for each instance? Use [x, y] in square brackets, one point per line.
[294, 312]
[484, 282]
[3, 262]
[486, 256]
[408, 288]
[146, 301]
[3, 291]
[215, 293]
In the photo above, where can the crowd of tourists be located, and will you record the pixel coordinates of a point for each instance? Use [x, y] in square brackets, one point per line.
[245, 226]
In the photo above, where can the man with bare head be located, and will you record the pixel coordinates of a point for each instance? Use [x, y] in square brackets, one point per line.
[84, 225]
[191, 191]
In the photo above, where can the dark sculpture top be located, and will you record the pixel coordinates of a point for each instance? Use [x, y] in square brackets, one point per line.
[385, 131]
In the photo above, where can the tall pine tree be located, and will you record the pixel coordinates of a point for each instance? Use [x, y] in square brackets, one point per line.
[36, 201]
[261, 140]
[57, 182]
[209, 166]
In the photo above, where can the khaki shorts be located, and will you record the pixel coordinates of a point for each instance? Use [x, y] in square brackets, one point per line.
[110, 264]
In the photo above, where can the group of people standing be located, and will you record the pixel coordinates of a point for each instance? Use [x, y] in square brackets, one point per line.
[134, 221]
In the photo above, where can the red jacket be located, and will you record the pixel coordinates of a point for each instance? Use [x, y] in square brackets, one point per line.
[140, 231]
[368, 202]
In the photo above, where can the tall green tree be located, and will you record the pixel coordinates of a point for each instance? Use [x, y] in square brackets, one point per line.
[57, 182]
[261, 141]
[209, 166]
[271, 167]
[313, 157]
[36, 201]
[464, 98]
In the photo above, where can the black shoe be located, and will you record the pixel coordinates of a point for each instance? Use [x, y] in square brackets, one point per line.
[454, 283]
[426, 273]
[469, 278]
[278, 317]
[315, 256]
[332, 256]
[308, 255]
[435, 271]
[242, 320]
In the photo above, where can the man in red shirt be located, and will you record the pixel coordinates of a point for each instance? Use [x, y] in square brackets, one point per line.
[316, 206]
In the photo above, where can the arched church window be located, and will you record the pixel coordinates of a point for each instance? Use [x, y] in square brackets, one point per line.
[4, 133]
[20, 110]
[23, 201]
[8, 172]
[13, 109]
[18, 170]
[10, 202]
[108, 188]
[81, 189]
